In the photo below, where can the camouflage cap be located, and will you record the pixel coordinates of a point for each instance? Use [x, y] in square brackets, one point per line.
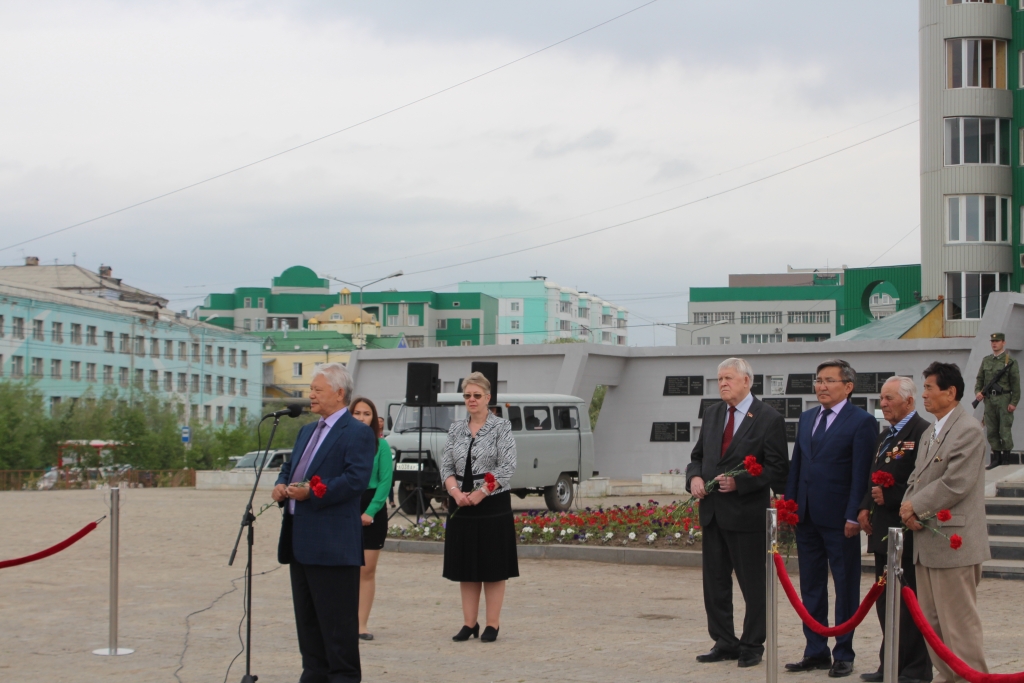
[998, 336]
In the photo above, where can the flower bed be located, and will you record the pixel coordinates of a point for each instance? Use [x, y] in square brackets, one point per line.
[643, 525]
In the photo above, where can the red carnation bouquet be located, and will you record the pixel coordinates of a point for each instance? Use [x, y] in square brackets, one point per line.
[788, 519]
[883, 479]
[490, 484]
[956, 540]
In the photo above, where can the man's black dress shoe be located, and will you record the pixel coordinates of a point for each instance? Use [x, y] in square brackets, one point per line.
[873, 677]
[717, 655]
[749, 660]
[466, 632]
[840, 669]
[810, 664]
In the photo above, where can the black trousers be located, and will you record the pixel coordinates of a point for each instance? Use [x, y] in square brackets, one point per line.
[327, 620]
[725, 552]
[914, 661]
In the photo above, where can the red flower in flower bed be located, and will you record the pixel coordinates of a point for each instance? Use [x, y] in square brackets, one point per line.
[955, 541]
[944, 515]
[883, 479]
[752, 466]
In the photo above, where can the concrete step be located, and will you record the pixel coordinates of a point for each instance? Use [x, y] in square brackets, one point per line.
[1005, 525]
[1010, 489]
[1007, 507]
[1007, 547]
[1003, 569]
[634, 489]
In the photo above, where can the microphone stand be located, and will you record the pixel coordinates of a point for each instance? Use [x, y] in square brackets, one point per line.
[248, 520]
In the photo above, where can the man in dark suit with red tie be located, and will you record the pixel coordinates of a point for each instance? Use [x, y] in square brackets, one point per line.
[732, 516]
[896, 456]
[322, 531]
[828, 477]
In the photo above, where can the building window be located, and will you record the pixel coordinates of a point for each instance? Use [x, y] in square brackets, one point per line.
[247, 324]
[711, 318]
[108, 342]
[57, 332]
[76, 333]
[208, 354]
[1, 327]
[220, 414]
[392, 321]
[208, 384]
[977, 141]
[154, 380]
[195, 352]
[977, 218]
[90, 335]
[169, 350]
[154, 348]
[724, 340]
[564, 326]
[975, 63]
[414, 342]
[514, 306]
[809, 317]
[206, 413]
[245, 358]
[125, 346]
[441, 343]
[231, 415]
[232, 357]
[467, 323]
[195, 384]
[122, 376]
[76, 370]
[139, 378]
[220, 355]
[247, 302]
[182, 382]
[90, 372]
[760, 338]
[37, 368]
[414, 321]
[168, 382]
[703, 341]
[515, 340]
[442, 323]
[967, 293]
[761, 318]
[108, 374]
[18, 328]
[17, 366]
[622, 341]
[514, 324]
[231, 386]
[296, 369]
[243, 387]
[37, 330]
[584, 312]
[565, 307]
[220, 386]
[466, 342]
[456, 304]
[55, 368]
[140, 346]
[261, 324]
[261, 302]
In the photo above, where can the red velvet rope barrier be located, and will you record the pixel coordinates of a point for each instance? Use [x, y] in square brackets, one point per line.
[959, 666]
[829, 632]
[52, 550]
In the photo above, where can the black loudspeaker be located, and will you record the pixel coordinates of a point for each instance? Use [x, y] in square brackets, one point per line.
[422, 384]
[490, 371]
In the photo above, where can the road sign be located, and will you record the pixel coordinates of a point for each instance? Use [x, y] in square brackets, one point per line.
[186, 434]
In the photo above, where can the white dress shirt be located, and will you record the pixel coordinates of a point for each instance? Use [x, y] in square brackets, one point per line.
[831, 418]
[940, 424]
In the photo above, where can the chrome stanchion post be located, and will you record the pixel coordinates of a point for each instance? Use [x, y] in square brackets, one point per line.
[115, 531]
[771, 644]
[894, 574]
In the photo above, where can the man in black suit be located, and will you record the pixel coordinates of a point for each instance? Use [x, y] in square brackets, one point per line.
[880, 509]
[732, 515]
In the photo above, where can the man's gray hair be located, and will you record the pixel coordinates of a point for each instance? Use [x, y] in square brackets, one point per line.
[737, 364]
[907, 387]
[846, 372]
[337, 376]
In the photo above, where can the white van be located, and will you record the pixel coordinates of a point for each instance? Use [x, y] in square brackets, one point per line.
[554, 445]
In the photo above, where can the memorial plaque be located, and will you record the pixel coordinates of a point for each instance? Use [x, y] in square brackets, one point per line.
[794, 407]
[800, 384]
[860, 401]
[882, 378]
[670, 431]
[704, 403]
[684, 385]
[779, 404]
[866, 383]
[791, 431]
[757, 388]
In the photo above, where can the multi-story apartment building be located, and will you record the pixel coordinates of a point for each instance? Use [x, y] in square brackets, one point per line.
[434, 318]
[538, 311]
[972, 154]
[74, 346]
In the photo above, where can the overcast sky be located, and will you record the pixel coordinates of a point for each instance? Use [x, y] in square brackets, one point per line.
[109, 104]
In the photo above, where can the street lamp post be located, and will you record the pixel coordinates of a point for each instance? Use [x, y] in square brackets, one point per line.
[361, 338]
[717, 322]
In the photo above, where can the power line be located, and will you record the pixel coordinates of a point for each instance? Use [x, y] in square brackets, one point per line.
[337, 132]
[663, 211]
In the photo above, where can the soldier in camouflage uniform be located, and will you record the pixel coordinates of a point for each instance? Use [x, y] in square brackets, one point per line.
[1000, 401]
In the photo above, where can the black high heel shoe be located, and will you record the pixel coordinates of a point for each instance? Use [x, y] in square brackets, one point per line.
[490, 635]
[466, 632]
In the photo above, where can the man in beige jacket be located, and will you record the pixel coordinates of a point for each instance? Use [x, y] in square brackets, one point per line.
[949, 475]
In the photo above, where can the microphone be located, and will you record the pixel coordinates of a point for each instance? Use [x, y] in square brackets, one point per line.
[292, 410]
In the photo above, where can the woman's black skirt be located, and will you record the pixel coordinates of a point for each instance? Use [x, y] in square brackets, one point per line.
[480, 541]
[374, 535]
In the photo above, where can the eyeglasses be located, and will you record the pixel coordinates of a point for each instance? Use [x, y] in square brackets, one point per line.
[469, 396]
[829, 381]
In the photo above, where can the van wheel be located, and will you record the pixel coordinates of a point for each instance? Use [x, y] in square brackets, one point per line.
[559, 496]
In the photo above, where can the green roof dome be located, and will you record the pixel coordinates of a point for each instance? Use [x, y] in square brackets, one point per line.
[299, 276]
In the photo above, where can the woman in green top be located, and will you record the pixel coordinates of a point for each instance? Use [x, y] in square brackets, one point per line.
[375, 517]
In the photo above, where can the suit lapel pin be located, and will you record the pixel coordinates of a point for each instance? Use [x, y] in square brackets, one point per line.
[750, 415]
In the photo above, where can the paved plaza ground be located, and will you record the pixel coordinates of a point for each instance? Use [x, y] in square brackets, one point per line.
[563, 621]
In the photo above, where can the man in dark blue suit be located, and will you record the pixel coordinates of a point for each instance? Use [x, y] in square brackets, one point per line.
[322, 535]
[828, 477]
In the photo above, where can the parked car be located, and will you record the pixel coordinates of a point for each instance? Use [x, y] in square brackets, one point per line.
[554, 446]
[249, 460]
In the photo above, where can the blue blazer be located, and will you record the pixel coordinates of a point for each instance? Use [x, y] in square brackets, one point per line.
[834, 477]
[329, 530]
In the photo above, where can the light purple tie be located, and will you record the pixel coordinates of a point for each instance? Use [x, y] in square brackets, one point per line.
[299, 473]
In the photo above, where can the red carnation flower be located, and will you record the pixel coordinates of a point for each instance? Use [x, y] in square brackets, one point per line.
[314, 481]
[490, 482]
[944, 515]
[955, 541]
[752, 466]
[319, 489]
[883, 479]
